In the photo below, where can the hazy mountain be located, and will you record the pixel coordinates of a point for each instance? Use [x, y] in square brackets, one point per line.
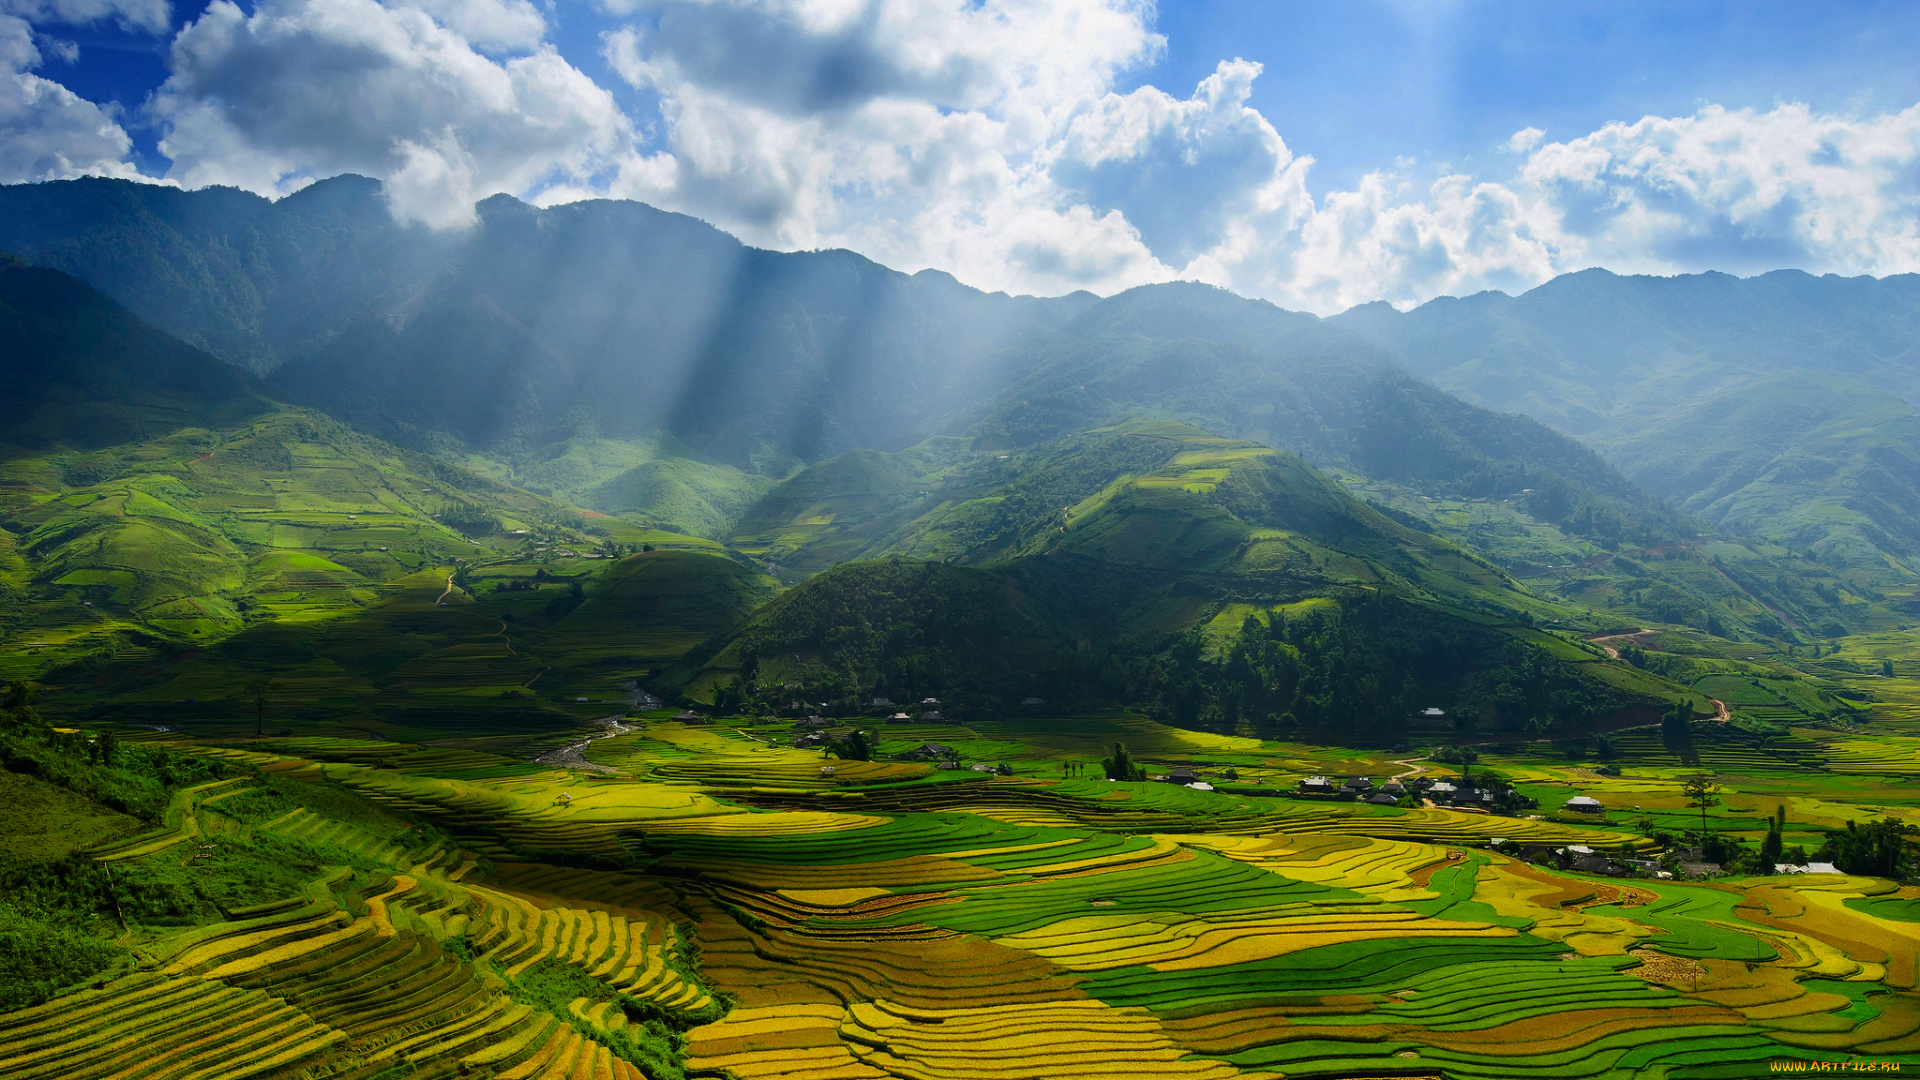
[252, 281]
[1586, 351]
[1814, 462]
[1247, 369]
[78, 370]
[1685, 383]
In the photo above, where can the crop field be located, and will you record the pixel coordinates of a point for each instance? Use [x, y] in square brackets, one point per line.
[714, 903]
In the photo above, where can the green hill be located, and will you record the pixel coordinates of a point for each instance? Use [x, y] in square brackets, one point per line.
[1247, 369]
[1131, 564]
[1814, 462]
[1769, 406]
[79, 371]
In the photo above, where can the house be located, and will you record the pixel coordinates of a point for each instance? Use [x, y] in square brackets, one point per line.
[932, 717]
[931, 701]
[1597, 864]
[1700, 869]
[690, 717]
[826, 770]
[1431, 716]
[813, 722]
[1032, 702]
[880, 703]
[814, 738]
[1394, 787]
[1806, 868]
[1381, 798]
[928, 752]
[1539, 854]
[1183, 776]
[948, 765]
[1441, 791]
[1583, 804]
[1357, 785]
[899, 718]
[1317, 785]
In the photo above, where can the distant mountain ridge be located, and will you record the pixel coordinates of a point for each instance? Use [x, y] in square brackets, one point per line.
[1684, 383]
[638, 361]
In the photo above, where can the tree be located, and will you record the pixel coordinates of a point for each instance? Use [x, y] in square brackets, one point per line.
[1703, 793]
[1886, 668]
[1774, 846]
[855, 747]
[1881, 849]
[1120, 766]
[257, 692]
[18, 704]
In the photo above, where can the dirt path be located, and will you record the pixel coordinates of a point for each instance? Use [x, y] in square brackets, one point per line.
[443, 596]
[1412, 768]
[1638, 637]
[574, 755]
[1721, 706]
[505, 638]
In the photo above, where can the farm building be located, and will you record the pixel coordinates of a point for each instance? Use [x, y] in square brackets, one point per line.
[880, 703]
[1318, 785]
[928, 752]
[1381, 798]
[899, 718]
[1585, 804]
[1183, 776]
[690, 717]
[932, 717]
[1357, 785]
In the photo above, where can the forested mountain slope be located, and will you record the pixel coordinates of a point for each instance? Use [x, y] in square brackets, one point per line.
[1780, 406]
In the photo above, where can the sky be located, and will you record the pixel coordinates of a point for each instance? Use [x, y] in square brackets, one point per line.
[1318, 155]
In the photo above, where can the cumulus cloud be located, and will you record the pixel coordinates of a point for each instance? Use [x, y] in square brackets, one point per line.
[152, 16]
[46, 131]
[996, 139]
[1742, 191]
[921, 132]
[302, 89]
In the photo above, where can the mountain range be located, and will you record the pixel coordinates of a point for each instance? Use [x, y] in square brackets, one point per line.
[243, 417]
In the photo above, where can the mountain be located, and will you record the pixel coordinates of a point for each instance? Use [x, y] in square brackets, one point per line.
[1690, 383]
[253, 281]
[79, 371]
[1587, 350]
[1813, 462]
[1131, 564]
[1250, 370]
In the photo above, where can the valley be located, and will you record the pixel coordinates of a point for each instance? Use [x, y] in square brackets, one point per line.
[588, 647]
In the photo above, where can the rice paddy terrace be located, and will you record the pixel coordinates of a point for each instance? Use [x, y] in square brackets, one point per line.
[718, 903]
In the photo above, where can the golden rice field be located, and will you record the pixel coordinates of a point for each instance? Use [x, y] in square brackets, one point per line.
[720, 908]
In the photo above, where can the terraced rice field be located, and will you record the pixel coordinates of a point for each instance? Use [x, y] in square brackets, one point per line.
[721, 909]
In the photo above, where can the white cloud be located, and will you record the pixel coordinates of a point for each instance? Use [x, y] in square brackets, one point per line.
[302, 89]
[46, 131]
[153, 16]
[503, 25]
[1743, 191]
[991, 138]
[920, 132]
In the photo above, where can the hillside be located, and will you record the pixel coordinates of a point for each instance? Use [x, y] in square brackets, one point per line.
[1686, 382]
[78, 371]
[1128, 565]
[1814, 462]
[1246, 369]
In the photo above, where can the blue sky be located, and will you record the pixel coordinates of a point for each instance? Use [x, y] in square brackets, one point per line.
[1318, 154]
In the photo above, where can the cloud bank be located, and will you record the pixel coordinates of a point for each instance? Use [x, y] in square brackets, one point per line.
[990, 138]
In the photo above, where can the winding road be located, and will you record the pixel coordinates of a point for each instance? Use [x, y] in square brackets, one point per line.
[574, 755]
